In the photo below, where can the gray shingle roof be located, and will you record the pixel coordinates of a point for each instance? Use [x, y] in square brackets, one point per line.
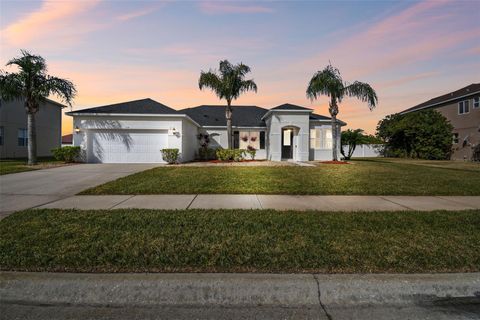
[450, 97]
[214, 115]
[143, 106]
[289, 106]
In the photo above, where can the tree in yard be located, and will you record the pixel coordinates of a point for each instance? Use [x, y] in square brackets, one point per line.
[330, 83]
[229, 83]
[425, 134]
[351, 138]
[33, 85]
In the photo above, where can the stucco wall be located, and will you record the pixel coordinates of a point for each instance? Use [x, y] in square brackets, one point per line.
[49, 128]
[324, 154]
[189, 140]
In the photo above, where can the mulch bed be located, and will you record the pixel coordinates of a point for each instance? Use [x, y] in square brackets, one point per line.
[334, 162]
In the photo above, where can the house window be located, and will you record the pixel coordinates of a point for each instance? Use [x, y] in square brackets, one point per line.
[321, 138]
[455, 138]
[463, 107]
[476, 102]
[22, 138]
[1, 136]
[249, 139]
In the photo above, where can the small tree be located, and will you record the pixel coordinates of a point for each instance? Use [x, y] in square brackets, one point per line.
[351, 138]
[33, 85]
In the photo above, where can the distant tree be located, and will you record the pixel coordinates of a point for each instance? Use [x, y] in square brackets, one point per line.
[351, 138]
[329, 82]
[33, 85]
[229, 83]
[423, 134]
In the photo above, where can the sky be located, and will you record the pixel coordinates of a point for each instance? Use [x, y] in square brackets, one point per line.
[116, 51]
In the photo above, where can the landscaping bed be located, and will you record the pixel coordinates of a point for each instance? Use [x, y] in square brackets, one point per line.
[362, 177]
[240, 241]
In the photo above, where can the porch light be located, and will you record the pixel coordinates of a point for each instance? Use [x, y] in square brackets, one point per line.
[77, 129]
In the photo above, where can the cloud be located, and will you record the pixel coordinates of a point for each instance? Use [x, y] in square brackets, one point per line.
[139, 13]
[225, 7]
[407, 79]
[51, 17]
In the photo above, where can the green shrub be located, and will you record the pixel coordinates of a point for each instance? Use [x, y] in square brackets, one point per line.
[206, 153]
[252, 152]
[170, 155]
[230, 154]
[67, 154]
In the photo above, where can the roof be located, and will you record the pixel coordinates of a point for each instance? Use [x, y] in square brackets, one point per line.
[143, 106]
[67, 139]
[446, 98]
[289, 106]
[214, 115]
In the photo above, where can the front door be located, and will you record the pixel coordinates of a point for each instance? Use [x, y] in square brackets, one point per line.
[287, 143]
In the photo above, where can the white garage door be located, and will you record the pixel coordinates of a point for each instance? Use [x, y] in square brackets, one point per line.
[126, 146]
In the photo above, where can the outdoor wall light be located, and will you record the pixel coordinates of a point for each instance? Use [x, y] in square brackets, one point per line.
[77, 129]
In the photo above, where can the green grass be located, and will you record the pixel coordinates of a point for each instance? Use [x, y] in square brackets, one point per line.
[8, 166]
[240, 241]
[362, 177]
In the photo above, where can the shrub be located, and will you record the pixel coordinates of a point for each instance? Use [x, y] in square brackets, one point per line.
[252, 152]
[206, 153]
[170, 155]
[230, 154]
[67, 154]
[476, 153]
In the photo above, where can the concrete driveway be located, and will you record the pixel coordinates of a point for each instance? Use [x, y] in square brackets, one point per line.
[30, 189]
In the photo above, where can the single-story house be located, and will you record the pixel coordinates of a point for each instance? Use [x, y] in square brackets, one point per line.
[67, 140]
[136, 131]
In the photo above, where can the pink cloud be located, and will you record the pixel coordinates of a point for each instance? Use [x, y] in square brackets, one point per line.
[219, 7]
[140, 13]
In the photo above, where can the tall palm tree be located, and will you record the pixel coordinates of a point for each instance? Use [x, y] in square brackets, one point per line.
[229, 83]
[329, 82]
[33, 85]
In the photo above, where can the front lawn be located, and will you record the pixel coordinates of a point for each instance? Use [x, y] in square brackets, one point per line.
[240, 241]
[361, 177]
[20, 165]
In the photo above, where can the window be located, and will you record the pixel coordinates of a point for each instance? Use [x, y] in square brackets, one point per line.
[321, 138]
[463, 107]
[249, 138]
[22, 138]
[262, 140]
[476, 102]
[1, 136]
[455, 138]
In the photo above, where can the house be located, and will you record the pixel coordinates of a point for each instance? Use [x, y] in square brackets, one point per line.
[462, 109]
[13, 128]
[67, 140]
[136, 131]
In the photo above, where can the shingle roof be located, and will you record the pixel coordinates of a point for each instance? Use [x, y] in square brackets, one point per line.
[288, 106]
[314, 116]
[437, 101]
[143, 106]
[214, 115]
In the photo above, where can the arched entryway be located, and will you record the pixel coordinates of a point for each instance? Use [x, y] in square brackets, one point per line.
[289, 142]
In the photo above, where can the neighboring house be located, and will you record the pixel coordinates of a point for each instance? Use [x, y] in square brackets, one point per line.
[13, 128]
[135, 131]
[462, 109]
[67, 140]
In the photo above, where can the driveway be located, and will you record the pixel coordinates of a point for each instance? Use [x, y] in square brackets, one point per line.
[30, 189]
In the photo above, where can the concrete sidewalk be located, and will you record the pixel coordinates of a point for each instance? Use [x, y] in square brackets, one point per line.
[229, 296]
[277, 202]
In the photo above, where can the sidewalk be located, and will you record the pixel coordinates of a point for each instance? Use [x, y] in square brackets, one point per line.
[265, 296]
[277, 202]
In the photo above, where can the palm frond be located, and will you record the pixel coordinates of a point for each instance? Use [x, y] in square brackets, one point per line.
[210, 80]
[248, 85]
[326, 82]
[362, 91]
[11, 86]
[62, 88]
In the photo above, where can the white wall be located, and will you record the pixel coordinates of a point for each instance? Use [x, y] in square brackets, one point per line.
[365, 150]
[49, 128]
[189, 140]
[324, 154]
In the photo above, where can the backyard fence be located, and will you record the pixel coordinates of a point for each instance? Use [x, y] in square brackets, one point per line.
[366, 150]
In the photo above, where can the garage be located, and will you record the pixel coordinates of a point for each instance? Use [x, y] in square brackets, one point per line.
[126, 146]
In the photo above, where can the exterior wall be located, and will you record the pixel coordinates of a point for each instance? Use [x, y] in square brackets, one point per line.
[189, 140]
[88, 124]
[301, 139]
[49, 128]
[323, 154]
[466, 125]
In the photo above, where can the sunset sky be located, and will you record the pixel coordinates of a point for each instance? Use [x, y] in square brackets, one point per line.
[117, 51]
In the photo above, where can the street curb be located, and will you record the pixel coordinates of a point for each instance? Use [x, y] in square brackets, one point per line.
[234, 289]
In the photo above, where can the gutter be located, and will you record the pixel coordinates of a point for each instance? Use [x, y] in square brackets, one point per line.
[438, 103]
[73, 113]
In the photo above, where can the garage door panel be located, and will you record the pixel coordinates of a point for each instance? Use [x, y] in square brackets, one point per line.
[127, 146]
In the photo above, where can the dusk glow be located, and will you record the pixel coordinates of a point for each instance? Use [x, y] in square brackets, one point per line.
[117, 51]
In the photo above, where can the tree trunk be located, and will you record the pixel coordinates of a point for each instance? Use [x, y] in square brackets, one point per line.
[334, 138]
[228, 115]
[32, 138]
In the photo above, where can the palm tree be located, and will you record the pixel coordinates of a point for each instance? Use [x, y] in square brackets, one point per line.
[329, 82]
[33, 85]
[228, 84]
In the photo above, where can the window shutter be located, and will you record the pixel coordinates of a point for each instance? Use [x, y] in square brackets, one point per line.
[236, 139]
[262, 140]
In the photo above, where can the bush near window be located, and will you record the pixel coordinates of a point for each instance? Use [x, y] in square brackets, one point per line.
[230, 154]
[67, 154]
[207, 153]
[170, 155]
[252, 152]
[423, 134]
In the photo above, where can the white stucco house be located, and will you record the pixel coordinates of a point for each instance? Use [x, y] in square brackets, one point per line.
[136, 131]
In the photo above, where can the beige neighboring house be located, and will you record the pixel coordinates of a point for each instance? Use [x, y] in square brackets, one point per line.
[462, 109]
[13, 128]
